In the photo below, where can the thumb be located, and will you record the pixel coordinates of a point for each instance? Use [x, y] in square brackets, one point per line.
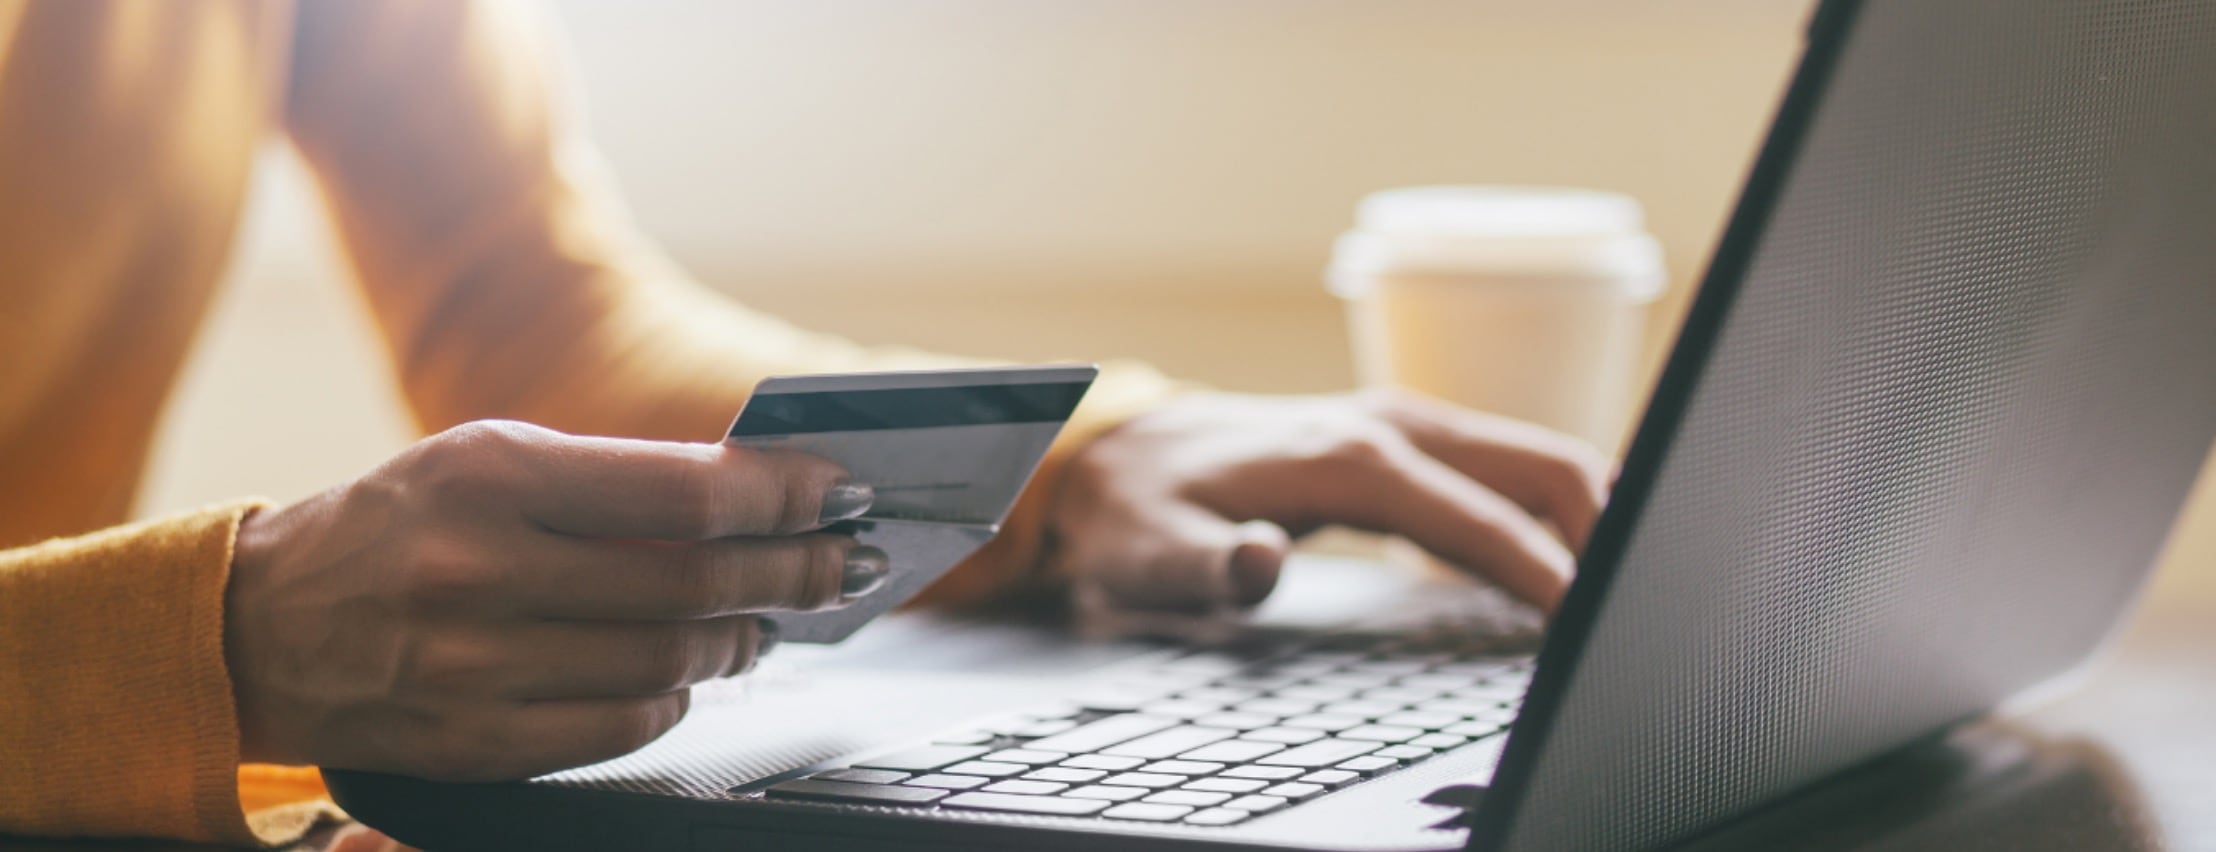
[1189, 558]
[1257, 560]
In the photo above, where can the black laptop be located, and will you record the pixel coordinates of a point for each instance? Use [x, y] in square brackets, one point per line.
[1942, 393]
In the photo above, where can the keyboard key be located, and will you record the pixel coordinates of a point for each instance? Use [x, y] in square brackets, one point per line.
[1294, 790]
[1313, 693]
[1438, 741]
[1320, 753]
[1146, 812]
[1023, 804]
[848, 791]
[1195, 798]
[922, 759]
[1144, 779]
[1261, 681]
[1399, 694]
[1216, 816]
[1180, 708]
[987, 768]
[964, 738]
[1099, 734]
[947, 782]
[1503, 714]
[1381, 733]
[1106, 794]
[1026, 788]
[1475, 668]
[1403, 753]
[1458, 706]
[1441, 682]
[1219, 695]
[1109, 763]
[1232, 751]
[1226, 785]
[1496, 690]
[1475, 729]
[1325, 722]
[1258, 804]
[1183, 767]
[1287, 736]
[1368, 764]
[1026, 756]
[1281, 706]
[1396, 668]
[1356, 680]
[1065, 775]
[1042, 728]
[1331, 777]
[1169, 743]
[1364, 709]
[1240, 721]
[1427, 720]
[861, 776]
[1265, 773]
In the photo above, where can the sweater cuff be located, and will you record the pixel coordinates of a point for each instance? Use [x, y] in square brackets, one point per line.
[116, 716]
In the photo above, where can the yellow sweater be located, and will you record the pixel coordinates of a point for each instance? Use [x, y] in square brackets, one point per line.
[504, 278]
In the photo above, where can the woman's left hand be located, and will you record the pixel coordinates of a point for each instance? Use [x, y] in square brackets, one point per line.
[1193, 506]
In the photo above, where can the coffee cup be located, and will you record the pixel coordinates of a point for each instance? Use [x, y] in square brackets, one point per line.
[1529, 302]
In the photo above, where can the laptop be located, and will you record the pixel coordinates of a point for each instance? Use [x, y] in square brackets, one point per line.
[1935, 408]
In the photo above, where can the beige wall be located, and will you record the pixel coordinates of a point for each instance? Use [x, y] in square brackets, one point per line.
[1170, 172]
[1035, 179]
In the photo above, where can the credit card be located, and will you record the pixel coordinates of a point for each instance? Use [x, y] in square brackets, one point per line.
[948, 452]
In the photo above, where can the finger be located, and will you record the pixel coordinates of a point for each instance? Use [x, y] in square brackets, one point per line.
[547, 736]
[1257, 561]
[1456, 518]
[632, 580]
[1186, 557]
[1549, 474]
[683, 492]
[598, 659]
[362, 838]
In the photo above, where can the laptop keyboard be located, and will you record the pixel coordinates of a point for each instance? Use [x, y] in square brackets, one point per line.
[1210, 739]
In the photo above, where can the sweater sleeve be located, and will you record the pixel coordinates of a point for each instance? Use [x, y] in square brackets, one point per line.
[115, 707]
[505, 277]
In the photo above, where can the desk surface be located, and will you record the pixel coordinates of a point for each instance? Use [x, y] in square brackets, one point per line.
[2125, 761]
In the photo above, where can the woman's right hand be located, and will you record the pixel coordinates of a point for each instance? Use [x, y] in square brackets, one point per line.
[503, 600]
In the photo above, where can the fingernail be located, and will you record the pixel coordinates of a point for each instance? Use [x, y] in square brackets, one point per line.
[765, 636]
[866, 571]
[846, 500]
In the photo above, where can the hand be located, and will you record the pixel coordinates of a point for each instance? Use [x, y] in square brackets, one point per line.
[361, 838]
[502, 600]
[1193, 506]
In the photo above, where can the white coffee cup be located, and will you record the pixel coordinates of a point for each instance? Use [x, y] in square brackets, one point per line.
[1529, 302]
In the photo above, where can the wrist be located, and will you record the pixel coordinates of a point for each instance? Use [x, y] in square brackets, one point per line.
[251, 549]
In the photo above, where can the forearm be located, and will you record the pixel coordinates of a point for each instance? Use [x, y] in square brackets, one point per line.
[505, 275]
[115, 708]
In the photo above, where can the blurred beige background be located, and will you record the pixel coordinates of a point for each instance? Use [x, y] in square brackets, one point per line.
[1040, 179]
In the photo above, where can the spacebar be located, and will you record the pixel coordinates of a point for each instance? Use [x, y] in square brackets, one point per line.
[849, 791]
[1025, 804]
